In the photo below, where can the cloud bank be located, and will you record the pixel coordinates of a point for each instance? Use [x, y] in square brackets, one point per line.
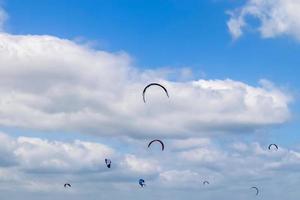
[35, 166]
[53, 84]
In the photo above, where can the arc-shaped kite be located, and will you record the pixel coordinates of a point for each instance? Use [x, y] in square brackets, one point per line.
[205, 182]
[67, 184]
[154, 84]
[162, 144]
[275, 145]
[257, 190]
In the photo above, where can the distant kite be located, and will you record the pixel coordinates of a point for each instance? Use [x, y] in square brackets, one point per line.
[67, 184]
[162, 144]
[108, 162]
[255, 188]
[142, 182]
[154, 84]
[205, 182]
[275, 145]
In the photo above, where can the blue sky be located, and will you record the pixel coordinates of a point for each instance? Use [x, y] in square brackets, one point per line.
[71, 76]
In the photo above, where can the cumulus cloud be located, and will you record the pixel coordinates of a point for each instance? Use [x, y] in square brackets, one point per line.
[61, 157]
[181, 179]
[143, 166]
[28, 156]
[190, 143]
[42, 156]
[276, 18]
[47, 83]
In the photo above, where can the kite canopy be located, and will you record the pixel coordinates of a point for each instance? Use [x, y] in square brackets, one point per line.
[67, 184]
[162, 144]
[142, 182]
[273, 145]
[154, 84]
[255, 188]
[108, 162]
[205, 182]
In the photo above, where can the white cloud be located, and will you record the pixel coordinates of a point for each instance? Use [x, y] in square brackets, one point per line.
[190, 143]
[239, 146]
[61, 157]
[142, 166]
[276, 18]
[48, 83]
[180, 178]
[202, 155]
[42, 156]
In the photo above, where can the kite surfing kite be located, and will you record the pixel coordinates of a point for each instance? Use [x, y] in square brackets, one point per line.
[108, 162]
[67, 184]
[273, 145]
[162, 144]
[142, 182]
[255, 188]
[205, 182]
[154, 84]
